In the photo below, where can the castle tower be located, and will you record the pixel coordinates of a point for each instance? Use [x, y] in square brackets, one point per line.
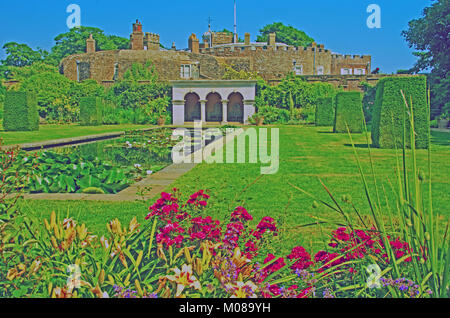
[194, 44]
[137, 37]
[151, 41]
[90, 44]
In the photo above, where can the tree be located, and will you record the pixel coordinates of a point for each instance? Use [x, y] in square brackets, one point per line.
[430, 36]
[285, 34]
[21, 55]
[74, 42]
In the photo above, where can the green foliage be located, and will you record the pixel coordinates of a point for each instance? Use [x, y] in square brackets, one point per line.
[273, 115]
[2, 99]
[390, 112]
[90, 111]
[348, 112]
[139, 98]
[58, 97]
[20, 55]
[54, 94]
[304, 94]
[22, 73]
[430, 35]
[285, 34]
[20, 112]
[139, 72]
[325, 112]
[74, 42]
[368, 100]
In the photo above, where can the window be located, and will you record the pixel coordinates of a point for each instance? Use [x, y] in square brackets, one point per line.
[185, 71]
[346, 71]
[320, 70]
[360, 71]
[116, 71]
[298, 69]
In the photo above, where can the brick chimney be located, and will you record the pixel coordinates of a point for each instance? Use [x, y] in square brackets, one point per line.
[90, 44]
[194, 44]
[137, 37]
[247, 39]
[272, 39]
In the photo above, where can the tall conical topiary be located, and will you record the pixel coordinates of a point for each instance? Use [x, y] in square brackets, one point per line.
[390, 112]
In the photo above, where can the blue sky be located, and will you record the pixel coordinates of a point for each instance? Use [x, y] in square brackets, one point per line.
[339, 24]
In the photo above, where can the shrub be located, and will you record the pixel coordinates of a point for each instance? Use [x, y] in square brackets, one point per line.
[274, 115]
[2, 99]
[368, 100]
[20, 112]
[390, 111]
[90, 111]
[325, 112]
[348, 112]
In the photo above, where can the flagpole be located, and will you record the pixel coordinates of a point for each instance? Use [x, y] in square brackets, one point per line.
[235, 23]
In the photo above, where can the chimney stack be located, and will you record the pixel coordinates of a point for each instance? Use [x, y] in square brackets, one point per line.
[272, 39]
[137, 37]
[194, 44]
[90, 44]
[247, 38]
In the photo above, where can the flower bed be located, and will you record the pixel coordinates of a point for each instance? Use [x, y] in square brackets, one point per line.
[182, 252]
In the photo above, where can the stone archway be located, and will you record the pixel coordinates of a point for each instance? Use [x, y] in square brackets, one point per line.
[214, 111]
[235, 108]
[192, 108]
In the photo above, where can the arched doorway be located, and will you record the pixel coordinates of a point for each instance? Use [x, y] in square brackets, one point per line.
[214, 110]
[192, 108]
[235, 108]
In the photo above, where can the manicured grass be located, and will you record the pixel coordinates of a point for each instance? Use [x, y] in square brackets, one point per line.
[51, 132]
[307, 155]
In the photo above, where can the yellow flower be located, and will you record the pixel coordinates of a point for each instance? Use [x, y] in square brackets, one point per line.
[133, 224]
[184, 278]
[115, 227]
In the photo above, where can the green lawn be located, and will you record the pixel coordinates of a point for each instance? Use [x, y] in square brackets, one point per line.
[51, 132]
[307, 154]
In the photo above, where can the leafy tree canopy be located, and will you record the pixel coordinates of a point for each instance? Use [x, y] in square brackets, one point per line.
[285, 34]
[21, 55]
[74, 42]
[430, 35]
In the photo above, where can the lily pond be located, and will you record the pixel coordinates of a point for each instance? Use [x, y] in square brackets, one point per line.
[106, 166]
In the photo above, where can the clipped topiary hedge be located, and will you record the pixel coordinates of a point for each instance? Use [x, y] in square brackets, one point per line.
[90, 111]
[389, 112]
[325, 111]
[20, 112]
[348, 112]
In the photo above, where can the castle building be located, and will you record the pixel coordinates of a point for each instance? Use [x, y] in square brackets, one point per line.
[201, 67]
[208, 60]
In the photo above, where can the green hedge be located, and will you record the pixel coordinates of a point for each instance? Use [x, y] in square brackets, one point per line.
[389, 111]
[348, 112]
[20, 112]
[325, 112]
[90, 111]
